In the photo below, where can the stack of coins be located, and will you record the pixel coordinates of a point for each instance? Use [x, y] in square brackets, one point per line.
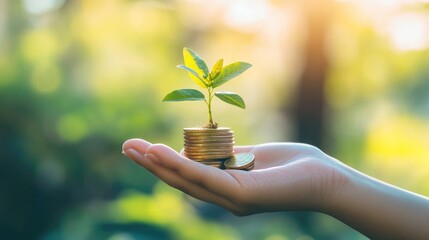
[215, 147]
[209, 146]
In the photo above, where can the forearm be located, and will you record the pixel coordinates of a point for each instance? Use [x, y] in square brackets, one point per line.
[379, 210]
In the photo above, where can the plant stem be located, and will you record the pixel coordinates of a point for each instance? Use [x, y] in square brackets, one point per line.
[209, 105]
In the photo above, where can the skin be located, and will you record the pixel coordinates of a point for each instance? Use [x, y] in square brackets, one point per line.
[291, 177]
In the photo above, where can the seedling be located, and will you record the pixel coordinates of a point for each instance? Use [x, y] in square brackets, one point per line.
[209, 80]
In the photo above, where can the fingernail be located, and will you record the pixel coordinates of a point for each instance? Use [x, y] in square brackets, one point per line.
[132, 153]
[152, 158]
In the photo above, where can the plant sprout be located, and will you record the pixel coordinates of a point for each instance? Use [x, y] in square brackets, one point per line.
[209, 80]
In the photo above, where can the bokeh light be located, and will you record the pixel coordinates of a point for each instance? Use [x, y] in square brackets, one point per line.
[77, 78]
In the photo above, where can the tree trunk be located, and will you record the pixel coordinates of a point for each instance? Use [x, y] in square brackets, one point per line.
[309, 106]
[310, 100]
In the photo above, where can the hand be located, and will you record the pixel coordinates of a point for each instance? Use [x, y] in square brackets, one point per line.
[291, 176]
[287, 176]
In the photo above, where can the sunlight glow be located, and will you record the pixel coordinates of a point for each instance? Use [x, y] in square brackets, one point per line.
[244, 13]
[42, 6]
[406, 30]
[399, 143]
[409, 32]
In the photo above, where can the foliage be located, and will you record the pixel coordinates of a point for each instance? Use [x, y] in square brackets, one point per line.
[79, 79]
[199, 73]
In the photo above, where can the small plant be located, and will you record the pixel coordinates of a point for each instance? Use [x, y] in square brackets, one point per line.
[209, 80]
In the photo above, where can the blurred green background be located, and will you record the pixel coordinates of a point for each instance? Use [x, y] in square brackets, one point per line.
[77, 78]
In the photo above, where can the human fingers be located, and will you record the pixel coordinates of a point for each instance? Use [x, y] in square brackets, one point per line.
[173, 179]
[139, 145]
[212, 179]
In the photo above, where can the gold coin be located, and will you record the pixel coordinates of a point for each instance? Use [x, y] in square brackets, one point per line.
[221, 148]
[190, 143]
[219, 129]
[250, 167]
[186, 142]
[209, 145]
[229, 153]
[223, 135]
[191, 154]
[228, 133]
[202, 150]
[202, 160]
[187, 151]
[209, 157]
[207, 154]
[202, 147]
[212, 162]
[192, 150]
[208, 136]
[208, 148]
[209, 139]
[205, 130]
[209, 132]
[240, 161]
[199, 136]
[218, 145]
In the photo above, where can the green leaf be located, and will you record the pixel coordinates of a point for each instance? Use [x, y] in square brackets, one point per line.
[184, 95]
[217, 68]
[194, 74]
[230, 71]
[196, 63]
[231, 98]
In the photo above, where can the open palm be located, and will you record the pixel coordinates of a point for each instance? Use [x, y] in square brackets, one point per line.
[287, 176]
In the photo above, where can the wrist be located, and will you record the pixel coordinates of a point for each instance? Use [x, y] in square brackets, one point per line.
[341, 180]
